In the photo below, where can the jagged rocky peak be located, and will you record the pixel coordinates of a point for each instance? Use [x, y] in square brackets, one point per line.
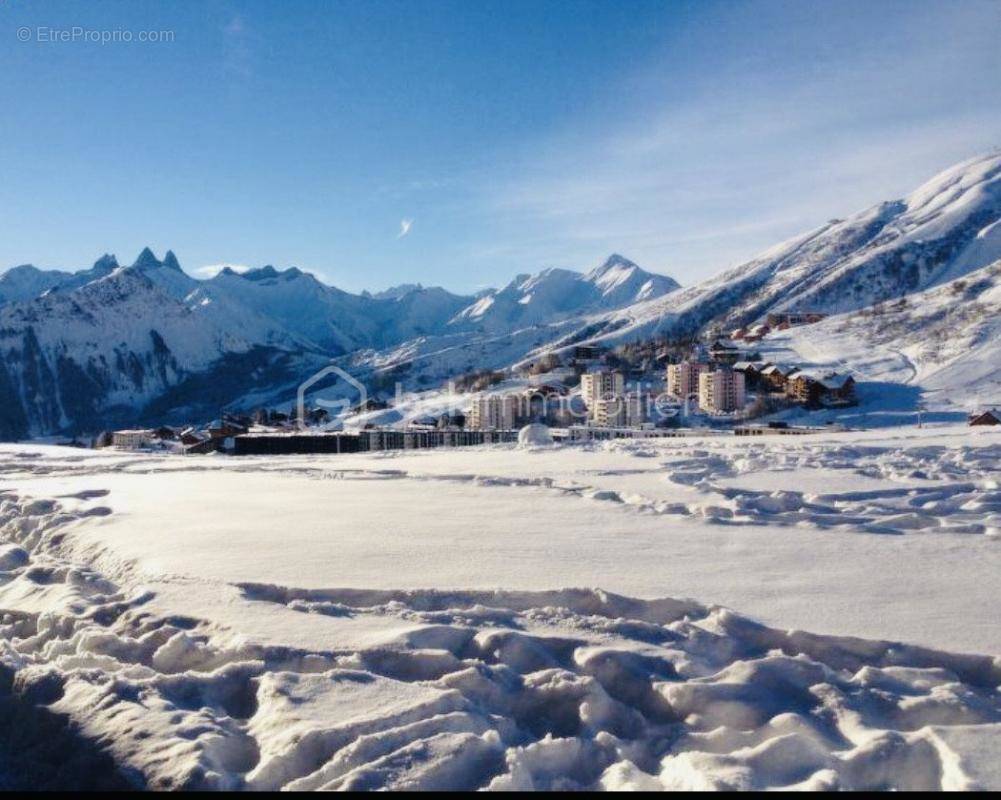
[106, 263]
[261, 273]
[170, 261]
[146, 260]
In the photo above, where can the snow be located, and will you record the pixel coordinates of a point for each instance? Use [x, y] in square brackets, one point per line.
[942, 346]
[534, 435]
[944, 232]
[401, 619]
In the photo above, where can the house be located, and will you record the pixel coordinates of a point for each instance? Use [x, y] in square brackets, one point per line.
[776, 376]
[317, 416]
[837, 389]
[225, 429]
[191, 436]
[751, 371]
[136, 439]
[724, 353]
[738, 334]
[721, 391]
[991, 416]
[786, 320]
[827, 389]
[683, 378]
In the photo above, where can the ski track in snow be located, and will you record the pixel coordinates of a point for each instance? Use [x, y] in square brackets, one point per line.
[567, 689]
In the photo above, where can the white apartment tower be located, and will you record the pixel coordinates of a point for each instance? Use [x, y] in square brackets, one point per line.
[624, 411]
[595, 386]
[494, 412]
[683, 378]
[721, 391]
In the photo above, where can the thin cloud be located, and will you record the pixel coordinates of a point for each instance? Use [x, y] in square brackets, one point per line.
[405, 226]
[211, 270]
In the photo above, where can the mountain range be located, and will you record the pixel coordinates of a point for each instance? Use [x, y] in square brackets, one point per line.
[114, 345]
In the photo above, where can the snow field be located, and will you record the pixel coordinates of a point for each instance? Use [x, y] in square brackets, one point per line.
[207, 642]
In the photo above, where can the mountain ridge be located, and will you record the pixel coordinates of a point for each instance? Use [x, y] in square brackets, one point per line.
[148, 335]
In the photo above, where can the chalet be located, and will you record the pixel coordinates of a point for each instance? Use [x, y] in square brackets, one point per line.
[225, 429]
[751, 371]
[991, 416]
[165, 433]
[757, 332]
[738, 334]
[723, 353]
[776, 377]
[838, 389]
[827, 389]
[317, 416]
[191, 436]
[786, 320]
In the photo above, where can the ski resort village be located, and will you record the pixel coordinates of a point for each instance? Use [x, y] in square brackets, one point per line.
[633, 391]
[591, 530]
[500, 395]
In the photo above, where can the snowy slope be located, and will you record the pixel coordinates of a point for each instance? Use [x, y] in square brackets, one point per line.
[103, 322]
[105, 351]
[554, 294]
[315, 623]
[27, 282]
[947, 229]
[940, 232]
[945, 340]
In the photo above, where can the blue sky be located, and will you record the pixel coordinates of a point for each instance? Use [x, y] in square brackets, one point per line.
[508, 135]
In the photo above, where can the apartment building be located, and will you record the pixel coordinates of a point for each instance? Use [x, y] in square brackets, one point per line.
[595, 386]
[494, 412]
[683, 378]
[721, 391]
[624, 411]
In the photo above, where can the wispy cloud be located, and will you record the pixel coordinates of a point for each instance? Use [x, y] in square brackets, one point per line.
[405, 226]
[211, 270]
[696, 181]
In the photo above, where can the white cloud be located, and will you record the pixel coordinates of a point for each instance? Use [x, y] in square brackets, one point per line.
[211, 270]
[405, 226]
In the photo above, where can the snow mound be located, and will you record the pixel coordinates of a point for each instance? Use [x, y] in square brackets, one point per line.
[568, 689]
[534, 435]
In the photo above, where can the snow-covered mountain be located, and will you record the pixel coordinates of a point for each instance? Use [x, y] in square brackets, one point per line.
[122, 348]
[27, 282]
[554, 294]
[113, 343]
[947, 228]
[945, 341]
